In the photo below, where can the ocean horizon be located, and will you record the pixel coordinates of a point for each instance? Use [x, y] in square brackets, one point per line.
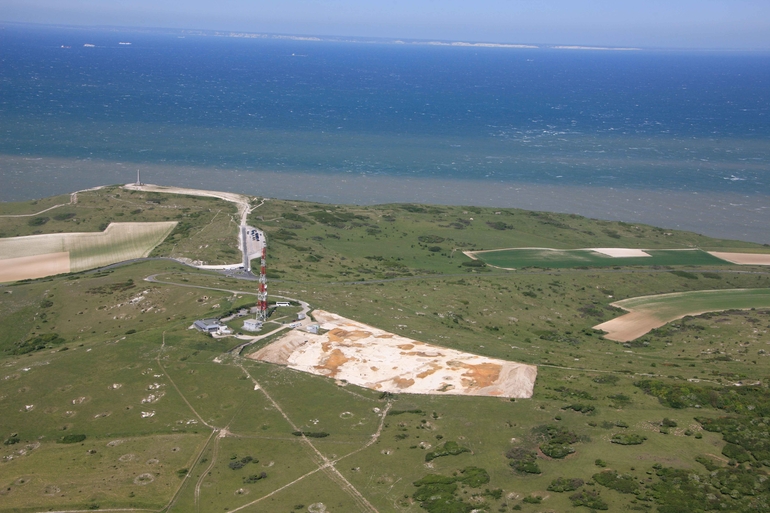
[675, 139]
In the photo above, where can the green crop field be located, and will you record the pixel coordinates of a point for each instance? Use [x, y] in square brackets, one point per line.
[573, 258]
[109, 401]
[650, 312]
[675, 305]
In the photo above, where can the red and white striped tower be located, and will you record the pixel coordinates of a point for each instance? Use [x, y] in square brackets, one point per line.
[262, 295]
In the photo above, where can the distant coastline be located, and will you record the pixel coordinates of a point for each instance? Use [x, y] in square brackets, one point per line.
[335, 39]
[669, 139]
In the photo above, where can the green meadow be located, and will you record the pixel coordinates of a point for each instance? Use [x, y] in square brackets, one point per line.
[109, 400]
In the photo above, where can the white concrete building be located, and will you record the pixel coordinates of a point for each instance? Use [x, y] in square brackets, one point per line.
[252, 325]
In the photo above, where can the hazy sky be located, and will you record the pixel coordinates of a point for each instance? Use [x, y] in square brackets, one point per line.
[743, 24]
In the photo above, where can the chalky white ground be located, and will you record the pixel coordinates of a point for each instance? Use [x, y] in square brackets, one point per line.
[373, 358]
[621, 252]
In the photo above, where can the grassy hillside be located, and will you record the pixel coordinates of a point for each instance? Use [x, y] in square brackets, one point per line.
[206, 227]
[656, 424]
[316, 242]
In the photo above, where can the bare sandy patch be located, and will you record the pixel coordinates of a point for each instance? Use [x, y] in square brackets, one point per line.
[630, 326]
[743, 258]
[36, 266]
[372, 358]
[621, 252]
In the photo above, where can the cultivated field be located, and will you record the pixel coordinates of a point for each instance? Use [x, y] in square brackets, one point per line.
[35, 256]
[650, 312]
[372, 358]
[743, 258]
[517, 258]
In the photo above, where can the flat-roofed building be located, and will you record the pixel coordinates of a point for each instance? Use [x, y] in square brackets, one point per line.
[252, 325]
[207, 325]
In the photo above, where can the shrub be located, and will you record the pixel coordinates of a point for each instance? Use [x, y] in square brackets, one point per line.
[582, 408]
[291, 216]
[430, 239]
[589, 499]
[436, 493]
[523, 460]
[38, 221]
[401, 412]
[607, 379]
[668, 423]
[558, 441]
[37, 343]
[736, 452]
[562, 484]
[235, 465]
[72, 439]
[628, 439]
[283, 234]
[685, 274]
[309, 434]
[622, 483]
[557, 451]
[474, 476]
[449, 448]
[499, 225]
[254, 478]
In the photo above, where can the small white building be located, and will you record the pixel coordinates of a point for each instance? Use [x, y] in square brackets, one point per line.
[252, 325]
[312, 328]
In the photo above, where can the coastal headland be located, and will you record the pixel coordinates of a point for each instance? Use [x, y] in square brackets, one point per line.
[110, 400]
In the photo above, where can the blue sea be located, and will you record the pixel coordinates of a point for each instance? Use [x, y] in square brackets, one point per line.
[678, 139]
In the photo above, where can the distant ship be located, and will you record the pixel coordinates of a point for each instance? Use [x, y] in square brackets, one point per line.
[124, 43]
[89, 45]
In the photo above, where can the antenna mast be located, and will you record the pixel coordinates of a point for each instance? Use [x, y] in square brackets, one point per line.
[262, 294]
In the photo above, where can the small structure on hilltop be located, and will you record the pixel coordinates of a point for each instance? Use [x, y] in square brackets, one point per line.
[207, 325]
[252, 325]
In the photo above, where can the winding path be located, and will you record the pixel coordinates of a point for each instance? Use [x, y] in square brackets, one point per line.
[243, 203]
